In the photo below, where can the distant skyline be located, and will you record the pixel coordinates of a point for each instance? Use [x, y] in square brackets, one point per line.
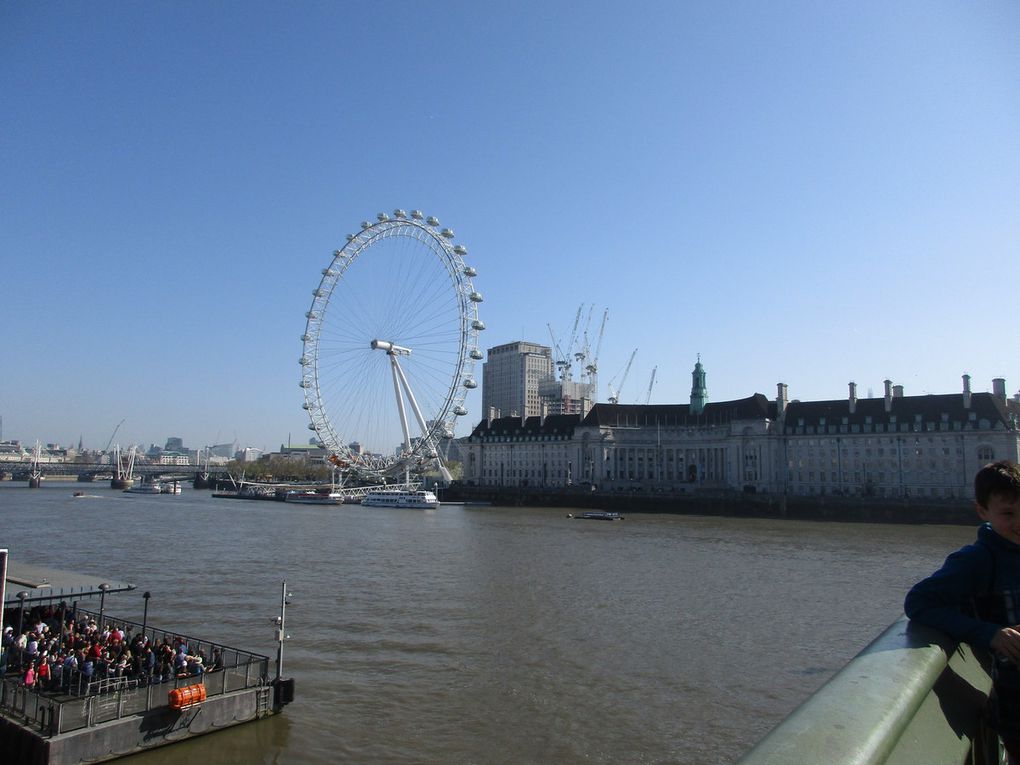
[807, 193]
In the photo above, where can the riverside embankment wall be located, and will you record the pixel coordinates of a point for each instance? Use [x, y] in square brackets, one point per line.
[729, 504]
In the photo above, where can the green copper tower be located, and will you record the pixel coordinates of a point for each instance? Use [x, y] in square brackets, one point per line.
[699, 391]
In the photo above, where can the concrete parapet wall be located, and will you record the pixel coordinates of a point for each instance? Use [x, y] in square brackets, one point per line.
[910, 697]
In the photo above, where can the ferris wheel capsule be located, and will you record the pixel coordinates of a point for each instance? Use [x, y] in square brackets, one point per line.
[349, 237]
[460, 249]
[417, 214]
[469, 271]
[398, 213]
[365, 224]
[475, 354]
[470, 383]
[459, 411]
[478, 324]
[432, 220]
[382, 217]
[475, 297]
[448, 233]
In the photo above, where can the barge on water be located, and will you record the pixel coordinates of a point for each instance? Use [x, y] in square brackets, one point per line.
[77, 719]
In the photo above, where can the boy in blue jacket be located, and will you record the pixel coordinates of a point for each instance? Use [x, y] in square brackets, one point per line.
[975, 596]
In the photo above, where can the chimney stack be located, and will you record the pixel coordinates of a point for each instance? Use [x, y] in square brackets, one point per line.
[781, 399]
[888, 395]
[853, 397]
[897, 391]
[999, 388]
[966, 391]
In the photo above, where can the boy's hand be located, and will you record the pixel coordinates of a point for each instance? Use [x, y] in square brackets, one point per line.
[1007, 643]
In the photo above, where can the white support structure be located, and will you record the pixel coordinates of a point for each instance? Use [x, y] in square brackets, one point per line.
[400, 381]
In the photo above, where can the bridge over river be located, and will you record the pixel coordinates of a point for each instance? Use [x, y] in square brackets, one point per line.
[21, 471]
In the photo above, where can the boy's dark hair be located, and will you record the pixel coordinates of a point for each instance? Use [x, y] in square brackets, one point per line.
[1001, 478]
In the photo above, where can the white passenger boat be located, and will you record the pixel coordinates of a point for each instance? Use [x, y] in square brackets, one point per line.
[170, 487]
[155, 487]
[315, 497]
[145, 488]
[422, 500]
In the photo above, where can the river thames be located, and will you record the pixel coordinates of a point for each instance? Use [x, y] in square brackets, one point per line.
[490, 634]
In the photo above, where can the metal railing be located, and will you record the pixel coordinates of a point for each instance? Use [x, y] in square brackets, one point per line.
[76, 704]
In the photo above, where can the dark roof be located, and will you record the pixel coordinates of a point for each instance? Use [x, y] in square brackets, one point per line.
[554, 424]
[43, 583]
[921, 413]
[755, 407]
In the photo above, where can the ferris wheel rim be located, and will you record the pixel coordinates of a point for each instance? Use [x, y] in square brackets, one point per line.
[439, 244]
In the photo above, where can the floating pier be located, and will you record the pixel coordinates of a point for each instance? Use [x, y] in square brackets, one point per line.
[77, 719]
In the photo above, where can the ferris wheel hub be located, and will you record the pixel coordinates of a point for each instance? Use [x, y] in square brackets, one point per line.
[390, 348]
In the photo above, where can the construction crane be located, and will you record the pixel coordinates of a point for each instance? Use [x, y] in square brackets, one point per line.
[648, 396]
[581, 355]
[561, 361]
[592, 368]
[107, 448]
[614, 398]
[573, 332]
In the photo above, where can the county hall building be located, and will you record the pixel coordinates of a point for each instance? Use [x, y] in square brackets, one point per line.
[926, 446]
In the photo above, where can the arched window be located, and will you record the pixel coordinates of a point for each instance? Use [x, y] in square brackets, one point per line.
[985, 454]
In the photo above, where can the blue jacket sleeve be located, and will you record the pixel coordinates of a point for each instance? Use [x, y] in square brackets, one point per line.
[945, 599]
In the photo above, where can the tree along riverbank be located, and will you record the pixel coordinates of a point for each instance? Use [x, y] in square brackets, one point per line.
[729, 504]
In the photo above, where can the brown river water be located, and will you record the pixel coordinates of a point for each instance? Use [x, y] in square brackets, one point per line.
[490, 634]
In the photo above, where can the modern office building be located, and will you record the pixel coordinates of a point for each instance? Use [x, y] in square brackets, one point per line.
[510, 379]
[895, 446]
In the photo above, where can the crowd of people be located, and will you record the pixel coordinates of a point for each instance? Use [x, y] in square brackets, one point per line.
[70, 654]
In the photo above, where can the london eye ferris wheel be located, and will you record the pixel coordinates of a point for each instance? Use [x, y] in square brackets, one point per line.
[389, 347]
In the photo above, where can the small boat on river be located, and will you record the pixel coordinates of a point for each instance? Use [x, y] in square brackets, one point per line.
[597, 515]
[421, 500]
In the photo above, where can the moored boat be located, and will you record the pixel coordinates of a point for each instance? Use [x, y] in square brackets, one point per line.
[421, 499]
[597, 515]
[315, 497]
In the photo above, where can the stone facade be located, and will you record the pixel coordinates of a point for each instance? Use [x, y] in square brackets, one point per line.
[894, 446]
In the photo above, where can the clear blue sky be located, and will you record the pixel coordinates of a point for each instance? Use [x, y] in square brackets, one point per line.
[802, 192]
